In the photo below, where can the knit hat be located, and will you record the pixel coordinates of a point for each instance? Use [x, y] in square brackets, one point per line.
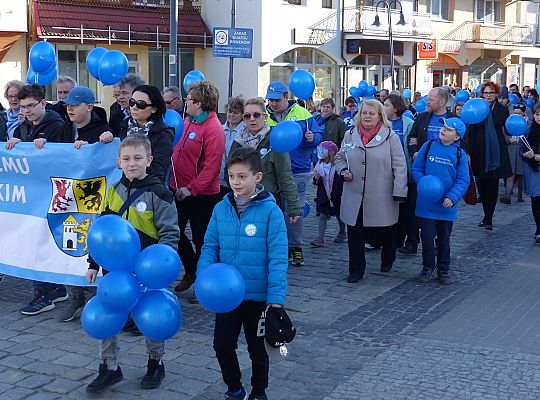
[330, 146]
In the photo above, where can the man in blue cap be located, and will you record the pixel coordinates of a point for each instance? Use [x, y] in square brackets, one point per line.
[281, 108]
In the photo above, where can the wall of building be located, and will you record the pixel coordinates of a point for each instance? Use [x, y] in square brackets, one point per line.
[13, 66]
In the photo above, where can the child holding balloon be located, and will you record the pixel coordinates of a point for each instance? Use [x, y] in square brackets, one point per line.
[530, 151]
[247, 231]
[440, 165]
[147, 204]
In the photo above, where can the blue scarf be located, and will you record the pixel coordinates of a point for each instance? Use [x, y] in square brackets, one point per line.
[493, 150]
[12, 122]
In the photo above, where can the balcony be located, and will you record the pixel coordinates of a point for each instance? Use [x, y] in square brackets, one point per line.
[497, 33]
[359, 20]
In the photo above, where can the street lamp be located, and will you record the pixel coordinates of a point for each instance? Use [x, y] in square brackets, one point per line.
[401, 21]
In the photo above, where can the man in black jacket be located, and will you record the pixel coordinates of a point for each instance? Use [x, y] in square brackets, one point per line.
[426, 127]
[40, 126]
[125, 90]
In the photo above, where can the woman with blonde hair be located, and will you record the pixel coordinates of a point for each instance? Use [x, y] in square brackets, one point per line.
[12, 117]
[372, 163]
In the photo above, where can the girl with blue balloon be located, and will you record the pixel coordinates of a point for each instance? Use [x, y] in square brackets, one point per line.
[247, 231]
[530, 151]
[486, 144]
[114, 244]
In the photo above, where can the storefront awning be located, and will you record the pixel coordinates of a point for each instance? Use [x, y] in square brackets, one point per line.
[6, 41]
[94, 22]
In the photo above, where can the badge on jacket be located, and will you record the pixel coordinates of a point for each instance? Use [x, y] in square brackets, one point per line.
[141, 206]
[250, 230]
[191, 135]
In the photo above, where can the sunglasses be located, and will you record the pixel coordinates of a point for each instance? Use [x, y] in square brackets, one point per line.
[140, 104]
[171, 101]
[489, 92]
[255, 115]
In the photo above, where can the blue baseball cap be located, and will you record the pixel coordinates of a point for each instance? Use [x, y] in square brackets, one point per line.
[276, 90]
[455, 123]
[78, 95]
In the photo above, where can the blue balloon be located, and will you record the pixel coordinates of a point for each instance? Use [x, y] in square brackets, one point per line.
[462, 96]
[513, 98]
[99, 322]
[363, 84]
[538, 87]
[307, 209]
[42, 79]
[474, 111]
[285, 136]
[118, 291]
[530, 103]
[157, 266]
[362, 91]
[408, 114]
[302, 84]
[93, 59]
[430, 188]
[407, 94]
[42, 57]
[158, 314]
[220, 288]
[478, 90]
[420, 105]
[113, 243]
[192, 77]
[516, 125]
[175, 121]
[113, 67]
[371, 90]
[354, 92]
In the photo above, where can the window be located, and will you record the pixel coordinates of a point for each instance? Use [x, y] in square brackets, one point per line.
[438, 9]
[296, 2]
[488, 11]
[327, 4]
[158, 60]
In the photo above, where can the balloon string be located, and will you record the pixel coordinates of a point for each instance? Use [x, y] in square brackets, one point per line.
[526, 142]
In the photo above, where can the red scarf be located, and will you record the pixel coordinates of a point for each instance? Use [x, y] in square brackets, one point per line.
[367, 135]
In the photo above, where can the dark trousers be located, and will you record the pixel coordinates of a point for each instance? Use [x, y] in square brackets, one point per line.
[408, 224]
[431, 228]
[226, 332]
[489, 193]
[197, 210]
[46, 288]
[535, 204]
[357, 240]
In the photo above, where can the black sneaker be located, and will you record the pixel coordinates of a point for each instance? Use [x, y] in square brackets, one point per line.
[59, 294]
[297, 256]
[105, 378]
[289, 256]
[40, 303]
[238, 395]
[408, 250]
[257, 397]
[155, 372]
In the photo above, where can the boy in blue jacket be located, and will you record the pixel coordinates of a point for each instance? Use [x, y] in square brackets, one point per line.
[247, 230]
[445, 159]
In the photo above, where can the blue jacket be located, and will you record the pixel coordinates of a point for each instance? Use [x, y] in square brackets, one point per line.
[300, 157]
[255, 244]
[441, 161]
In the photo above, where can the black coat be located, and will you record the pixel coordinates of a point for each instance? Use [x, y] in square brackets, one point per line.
[322, 202]
[419, 129]
[3, 126]
[161, 139]
[116, 119]
[474, 144]
[49, 128]
[334, 128]
[89, 133]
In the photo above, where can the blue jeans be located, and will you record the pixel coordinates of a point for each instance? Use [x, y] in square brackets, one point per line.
[431, 228]
[296, 231]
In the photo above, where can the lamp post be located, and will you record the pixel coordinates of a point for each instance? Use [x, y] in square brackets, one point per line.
[377, 22]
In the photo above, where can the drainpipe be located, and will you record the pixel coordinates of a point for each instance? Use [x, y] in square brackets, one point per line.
[344, 74]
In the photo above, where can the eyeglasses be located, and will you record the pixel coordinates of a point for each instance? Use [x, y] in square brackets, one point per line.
[12, 96]
[140, 104]
[28, 107]
[255, 115]
[489, 92]
[171, 101]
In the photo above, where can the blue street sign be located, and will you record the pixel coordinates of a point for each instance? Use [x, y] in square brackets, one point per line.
[232, 42]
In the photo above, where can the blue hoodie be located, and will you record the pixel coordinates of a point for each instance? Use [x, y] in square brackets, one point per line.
[255, 244]
[441, 161]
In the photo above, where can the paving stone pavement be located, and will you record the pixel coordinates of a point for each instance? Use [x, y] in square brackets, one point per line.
[387, 337]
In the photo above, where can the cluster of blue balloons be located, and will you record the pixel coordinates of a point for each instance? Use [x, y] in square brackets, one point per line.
[108, 67]
[302, 84]
[220, 288]
[285, 136]
[192, 77]
[43, 63]
[175, 121]
[135, 283]
[430, 189]
[363, 90]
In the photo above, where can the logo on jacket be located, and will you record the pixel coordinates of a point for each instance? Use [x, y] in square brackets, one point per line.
[191, 135]
[250, 230]
[74, 206]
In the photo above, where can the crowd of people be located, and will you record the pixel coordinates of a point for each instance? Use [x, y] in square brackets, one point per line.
[244, 201]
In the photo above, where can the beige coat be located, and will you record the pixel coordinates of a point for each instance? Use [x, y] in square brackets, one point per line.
[379, 172]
